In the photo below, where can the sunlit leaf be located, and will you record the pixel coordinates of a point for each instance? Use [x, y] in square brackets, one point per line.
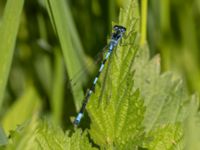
[165, 137]
[44, 135]
[22, 110]
[166, 97]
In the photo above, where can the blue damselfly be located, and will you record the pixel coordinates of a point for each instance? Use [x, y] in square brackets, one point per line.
[118, 33]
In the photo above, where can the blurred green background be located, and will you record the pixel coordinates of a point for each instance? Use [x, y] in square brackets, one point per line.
[55, 40]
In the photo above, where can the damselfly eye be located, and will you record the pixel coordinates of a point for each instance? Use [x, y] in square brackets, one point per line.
[123, 29]
[119, 28]
[116, 27]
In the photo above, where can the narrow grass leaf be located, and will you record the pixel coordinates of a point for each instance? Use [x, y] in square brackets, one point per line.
[70, 45]
[8, 33]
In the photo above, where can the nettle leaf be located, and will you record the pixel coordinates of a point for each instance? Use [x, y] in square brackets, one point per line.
[116, 109]
[117, 124]
[44, 135]
[192, 126]
[51, 137]
[166, 96]
[165, 137]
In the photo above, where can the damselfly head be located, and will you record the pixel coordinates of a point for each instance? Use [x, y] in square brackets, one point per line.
[119, 28]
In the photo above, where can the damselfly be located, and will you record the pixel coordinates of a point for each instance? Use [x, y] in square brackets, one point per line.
[118, 32]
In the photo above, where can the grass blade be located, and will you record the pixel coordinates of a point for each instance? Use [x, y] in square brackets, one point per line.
[72, 50]
[8, 33]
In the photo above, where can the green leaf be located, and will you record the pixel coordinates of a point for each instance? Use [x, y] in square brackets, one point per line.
[165, 137]
[44, 135]
[8, 33]
[51, 137]
[23, 136]
[116, 124]
[116, 110]
[22, 109]
[70, 44]
[192, 126]
[166, 97]
[79, 141]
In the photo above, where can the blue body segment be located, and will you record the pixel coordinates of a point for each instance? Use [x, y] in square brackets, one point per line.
[115, 38]
[78, 118]
[95, 80]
